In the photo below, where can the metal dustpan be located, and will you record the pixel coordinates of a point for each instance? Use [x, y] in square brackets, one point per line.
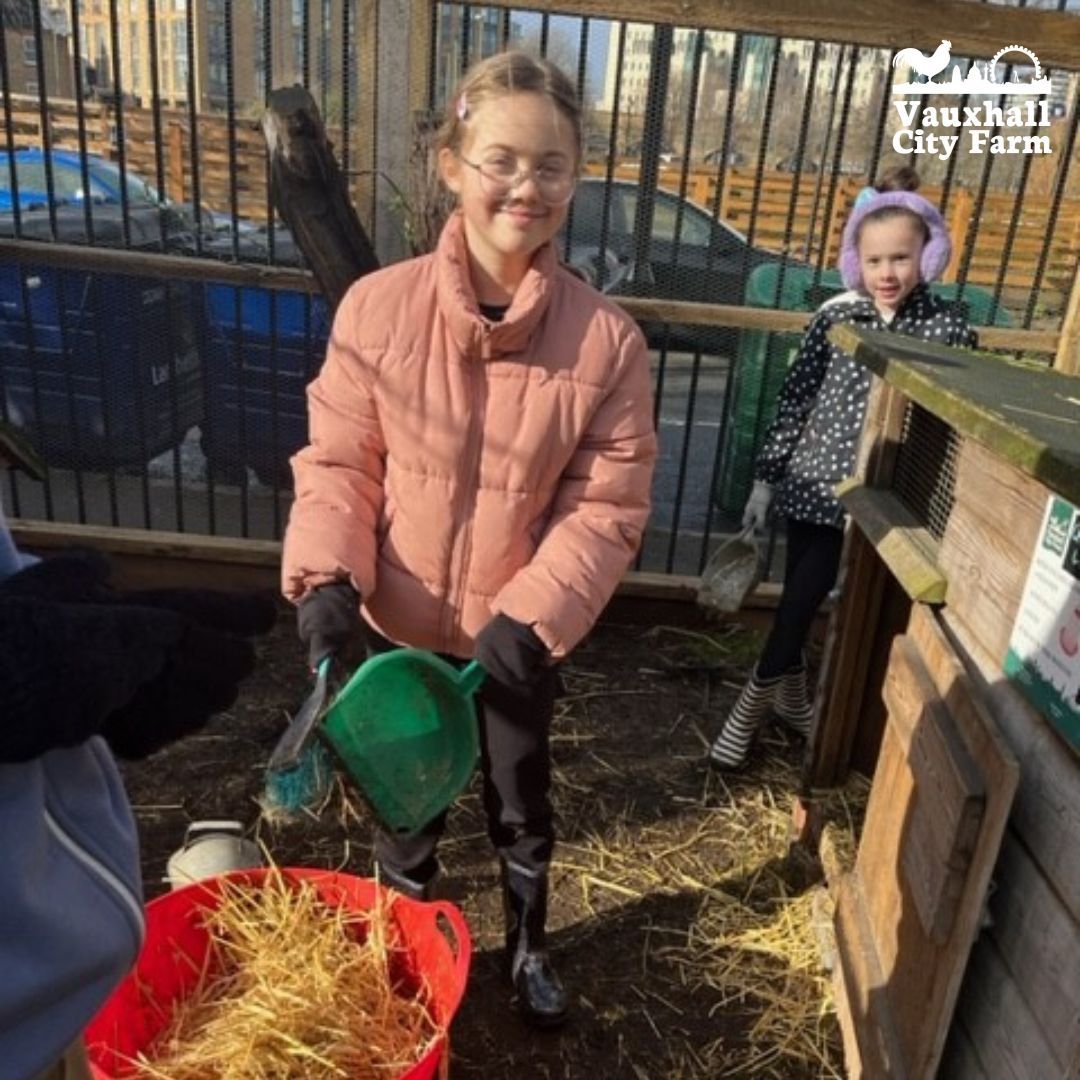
[404, 727]
[731, 573]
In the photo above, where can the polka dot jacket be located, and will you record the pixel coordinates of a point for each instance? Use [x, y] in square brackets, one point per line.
[811, 445]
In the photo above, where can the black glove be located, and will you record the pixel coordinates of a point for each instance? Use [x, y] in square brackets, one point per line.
[201, 676]
[511, 654]
[141, 676]
[328, 621]
[64, 668]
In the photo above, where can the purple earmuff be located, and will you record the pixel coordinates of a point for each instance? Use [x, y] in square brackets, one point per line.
[936, 251]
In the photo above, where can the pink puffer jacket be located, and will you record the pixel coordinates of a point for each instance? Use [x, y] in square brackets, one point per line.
[459, 468]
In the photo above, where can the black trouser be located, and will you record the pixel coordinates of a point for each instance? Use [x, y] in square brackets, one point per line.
[515, 761]
[810, 569]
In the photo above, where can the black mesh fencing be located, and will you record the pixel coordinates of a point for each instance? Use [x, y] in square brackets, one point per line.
[719, 168]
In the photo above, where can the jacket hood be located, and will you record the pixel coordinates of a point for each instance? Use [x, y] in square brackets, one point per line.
[461, 310]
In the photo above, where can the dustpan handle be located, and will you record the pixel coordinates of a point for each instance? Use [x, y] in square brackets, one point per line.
[471, 677]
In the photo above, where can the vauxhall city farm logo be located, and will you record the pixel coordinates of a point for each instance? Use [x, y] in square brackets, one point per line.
[982, 126]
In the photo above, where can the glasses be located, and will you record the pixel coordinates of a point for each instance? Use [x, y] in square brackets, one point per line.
[499, 176]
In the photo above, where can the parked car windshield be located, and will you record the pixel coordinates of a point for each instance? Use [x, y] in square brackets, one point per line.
[137, 188]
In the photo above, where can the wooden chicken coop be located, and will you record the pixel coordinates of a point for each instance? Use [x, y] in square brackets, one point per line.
[952, 675]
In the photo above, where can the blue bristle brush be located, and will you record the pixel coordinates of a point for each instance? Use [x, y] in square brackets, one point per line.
[300, 770]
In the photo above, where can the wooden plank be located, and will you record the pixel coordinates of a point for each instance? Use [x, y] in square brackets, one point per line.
[871, 1045]
[1010, 1044]
[364, 191]
[944, 821]
[974, 29]
[1005, 500]
[846, 663]
[986, 571]
[1039, 942]
[146, 264]
[960, 1060]
[906, 547]
[1046, 813]
[165, 548]
[883, 429]
[1000, 774]
[1026, 415]
[920, 979]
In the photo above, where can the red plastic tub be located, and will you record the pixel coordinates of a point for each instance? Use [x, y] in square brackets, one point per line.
[176, 945]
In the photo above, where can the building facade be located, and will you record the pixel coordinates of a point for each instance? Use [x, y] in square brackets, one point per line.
[29, 70]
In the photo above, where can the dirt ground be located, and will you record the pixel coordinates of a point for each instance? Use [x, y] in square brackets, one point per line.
[656, 858]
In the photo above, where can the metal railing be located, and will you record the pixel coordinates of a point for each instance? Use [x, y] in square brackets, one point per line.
[711, 152]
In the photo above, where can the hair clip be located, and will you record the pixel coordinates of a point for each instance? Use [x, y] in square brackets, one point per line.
[462, 107]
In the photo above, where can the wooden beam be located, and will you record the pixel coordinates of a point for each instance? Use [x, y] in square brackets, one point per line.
[977, 30]
[684, 311]
[904, 545]
[1024, 413]
[226, 554]
[149, 264]
[855, 622]
[1068, 351]
[184, 268]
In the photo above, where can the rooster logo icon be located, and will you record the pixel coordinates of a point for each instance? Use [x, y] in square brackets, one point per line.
[978, 79]
[925, 65]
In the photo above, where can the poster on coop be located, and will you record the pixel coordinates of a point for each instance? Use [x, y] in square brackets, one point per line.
[1043, 659]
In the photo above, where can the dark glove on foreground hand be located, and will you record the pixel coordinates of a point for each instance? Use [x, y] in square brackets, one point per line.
[140, 676]
[511, 653]
[201, 676]
[328, 621]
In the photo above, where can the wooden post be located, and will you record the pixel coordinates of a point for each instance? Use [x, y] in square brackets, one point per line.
[364, 187]
[175, 165]
[1068, 353]
[959, 223]
[852, 628]
[311, 194]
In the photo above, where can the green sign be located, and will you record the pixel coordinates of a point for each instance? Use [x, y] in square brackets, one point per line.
[1043, 659]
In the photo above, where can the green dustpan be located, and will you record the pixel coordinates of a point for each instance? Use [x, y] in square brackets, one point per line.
[404, 727]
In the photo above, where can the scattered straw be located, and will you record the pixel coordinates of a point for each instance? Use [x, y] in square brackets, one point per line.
[294, 987]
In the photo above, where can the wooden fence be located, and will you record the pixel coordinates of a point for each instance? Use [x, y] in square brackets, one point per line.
[763, 215]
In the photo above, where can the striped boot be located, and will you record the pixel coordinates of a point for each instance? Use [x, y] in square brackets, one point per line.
[793, 705]
[729, 749]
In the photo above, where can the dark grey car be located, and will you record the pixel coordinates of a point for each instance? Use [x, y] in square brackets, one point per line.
[690, 256]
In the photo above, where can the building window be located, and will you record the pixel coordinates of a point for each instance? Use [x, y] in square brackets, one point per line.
[31, 87]
[29, 54]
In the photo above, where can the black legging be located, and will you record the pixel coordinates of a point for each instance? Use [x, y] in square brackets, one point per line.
[810, 569]
[515, 761]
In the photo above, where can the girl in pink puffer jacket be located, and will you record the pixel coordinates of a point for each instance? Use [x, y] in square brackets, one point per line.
[477, 480]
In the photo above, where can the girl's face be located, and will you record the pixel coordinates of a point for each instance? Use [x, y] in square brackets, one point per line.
[521, 135]
[889, 255]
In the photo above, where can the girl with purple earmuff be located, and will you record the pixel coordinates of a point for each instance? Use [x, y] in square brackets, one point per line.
[894, 244]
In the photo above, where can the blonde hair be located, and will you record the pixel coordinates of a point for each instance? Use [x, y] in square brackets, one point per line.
[898, 178]
[505, 73]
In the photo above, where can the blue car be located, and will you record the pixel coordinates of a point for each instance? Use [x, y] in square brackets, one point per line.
[31, 181]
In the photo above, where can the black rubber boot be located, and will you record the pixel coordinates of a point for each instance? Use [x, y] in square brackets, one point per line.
[418, 887]
[541, 997]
